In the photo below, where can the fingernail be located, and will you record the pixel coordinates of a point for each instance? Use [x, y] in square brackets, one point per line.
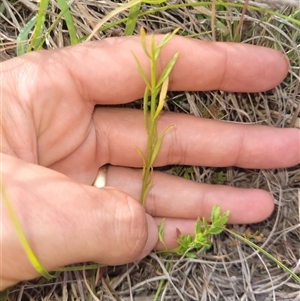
[152, 237]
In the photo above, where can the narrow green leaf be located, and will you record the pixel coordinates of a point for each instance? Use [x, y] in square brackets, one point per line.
[23, 35]
[157, 145]
[39, 25]
[154, 1]
[64, 7]
[152, 51]
[132, 19]
[141, 155]
[144, 42]
[205, 224]
[160, 46]
[162, 97]
[164, 41]
[197, 227]
[256, 247]
[167, 70]
[141, 71]
[22, 238]
[161, 233]
[52, 26]
[145, 108]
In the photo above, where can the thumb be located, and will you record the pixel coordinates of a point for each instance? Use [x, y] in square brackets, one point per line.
[67, 222]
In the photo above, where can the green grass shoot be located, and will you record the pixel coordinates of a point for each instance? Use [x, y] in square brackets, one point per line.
[132, 19]
[261, 250]
[131, 22]
[154, 97]
[38, 38]
[22, 238]
[38, 23]
[39, 26]
[64, 7]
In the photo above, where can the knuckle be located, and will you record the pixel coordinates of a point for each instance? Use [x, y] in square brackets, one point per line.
[129, 227]
[135, 228]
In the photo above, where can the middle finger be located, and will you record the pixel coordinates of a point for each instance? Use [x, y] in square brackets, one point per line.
[193, 141]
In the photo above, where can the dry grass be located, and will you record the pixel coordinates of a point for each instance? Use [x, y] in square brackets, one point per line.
[231, 270]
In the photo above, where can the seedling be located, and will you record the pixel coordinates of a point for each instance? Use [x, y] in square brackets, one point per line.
[154, 97]
[188, 244]
[156, 90]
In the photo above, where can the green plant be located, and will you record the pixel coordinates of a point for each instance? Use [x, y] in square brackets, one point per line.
[154, 97]
[156, 90]
[188, 244]
[219, 178]
[37, 22]
[261, 250]
[134, 6]
[186, 172]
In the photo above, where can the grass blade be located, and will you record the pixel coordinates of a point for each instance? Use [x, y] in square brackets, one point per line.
[16, 224]
[132, 19]
[164, 41]
[143, 41]
[39, 26]
[23, 35]
[64, 7]
[162, 97]
[111, 15]
[256, 247]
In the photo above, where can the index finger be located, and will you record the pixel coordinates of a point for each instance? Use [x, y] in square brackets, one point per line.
[106, 72]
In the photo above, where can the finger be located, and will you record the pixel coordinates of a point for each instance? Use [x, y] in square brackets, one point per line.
[175, 197]
[75, 222]
[109, 74]
[194, 141]
[200, 66]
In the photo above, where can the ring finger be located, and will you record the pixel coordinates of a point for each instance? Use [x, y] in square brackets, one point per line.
[180, 199]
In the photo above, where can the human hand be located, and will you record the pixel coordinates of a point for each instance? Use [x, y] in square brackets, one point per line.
[54, 140]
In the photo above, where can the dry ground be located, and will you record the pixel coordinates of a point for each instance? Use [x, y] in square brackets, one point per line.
[230, 270]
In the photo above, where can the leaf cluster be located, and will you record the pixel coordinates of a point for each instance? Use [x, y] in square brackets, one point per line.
[188, 244]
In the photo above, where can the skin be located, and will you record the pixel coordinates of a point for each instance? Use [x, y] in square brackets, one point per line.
[54, 140]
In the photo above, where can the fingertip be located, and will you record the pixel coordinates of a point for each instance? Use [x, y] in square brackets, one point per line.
[267, 204]
[152, 236]
[275, 65]
[256, 207]
[254, 68]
